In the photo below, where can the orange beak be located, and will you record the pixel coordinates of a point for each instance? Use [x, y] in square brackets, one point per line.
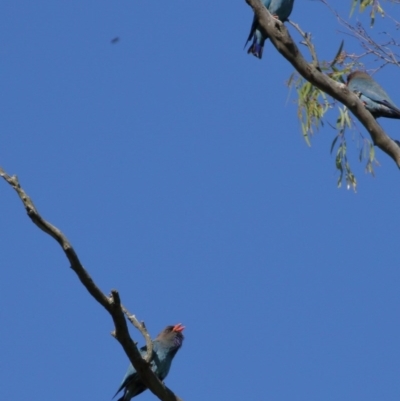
[178, 327]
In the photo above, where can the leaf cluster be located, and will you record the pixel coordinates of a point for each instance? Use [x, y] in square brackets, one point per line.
[313, 104]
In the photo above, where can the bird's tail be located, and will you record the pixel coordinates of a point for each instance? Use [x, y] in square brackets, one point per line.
[122, 398]
[256, 49]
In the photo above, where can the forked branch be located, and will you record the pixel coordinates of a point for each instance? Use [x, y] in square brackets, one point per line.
[112, 303]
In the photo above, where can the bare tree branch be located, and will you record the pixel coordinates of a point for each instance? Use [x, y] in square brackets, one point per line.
[283, 42]
[112, 304]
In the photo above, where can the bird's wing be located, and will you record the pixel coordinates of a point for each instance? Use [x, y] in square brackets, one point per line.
[381, 98]
[253, 28]
[273, 6]
[377, 94]
[391, 106]
[281, 8]
[130, 373]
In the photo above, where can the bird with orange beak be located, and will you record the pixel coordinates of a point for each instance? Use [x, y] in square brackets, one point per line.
[165, 347]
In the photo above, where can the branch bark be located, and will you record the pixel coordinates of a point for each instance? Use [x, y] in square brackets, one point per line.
[112, 304]
[283, 42]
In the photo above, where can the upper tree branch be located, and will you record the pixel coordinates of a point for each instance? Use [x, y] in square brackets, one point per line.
[112, 304]
[283, 42]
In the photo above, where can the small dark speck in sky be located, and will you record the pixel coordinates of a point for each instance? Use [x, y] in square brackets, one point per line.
[115, 40]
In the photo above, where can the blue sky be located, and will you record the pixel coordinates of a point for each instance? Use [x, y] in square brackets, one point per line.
[174, 163]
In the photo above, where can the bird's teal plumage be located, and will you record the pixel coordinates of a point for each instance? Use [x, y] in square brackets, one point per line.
[278, 8]
[165, 347]
[375, 98]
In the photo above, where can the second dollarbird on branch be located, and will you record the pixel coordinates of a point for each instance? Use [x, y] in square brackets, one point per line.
[165, 347]
[374, 97]
[280, 9]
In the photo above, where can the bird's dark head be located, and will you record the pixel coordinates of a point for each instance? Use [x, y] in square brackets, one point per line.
[357, 74]
[172, 335]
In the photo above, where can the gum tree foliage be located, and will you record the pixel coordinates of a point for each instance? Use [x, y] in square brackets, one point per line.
[375, 50]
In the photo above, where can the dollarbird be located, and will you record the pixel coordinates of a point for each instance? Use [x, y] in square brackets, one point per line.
[165, 347]
[374, 97]
[280, 9]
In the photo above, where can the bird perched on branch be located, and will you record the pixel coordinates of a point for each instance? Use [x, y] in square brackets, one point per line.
[280, 9]
[165, 347]
[374, 97]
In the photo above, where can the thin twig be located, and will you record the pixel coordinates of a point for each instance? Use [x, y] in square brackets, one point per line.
[307, 41]
[142, 328]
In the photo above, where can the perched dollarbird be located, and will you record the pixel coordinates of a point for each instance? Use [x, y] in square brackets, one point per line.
[374, 97]
[165, 347]
[280, 9]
